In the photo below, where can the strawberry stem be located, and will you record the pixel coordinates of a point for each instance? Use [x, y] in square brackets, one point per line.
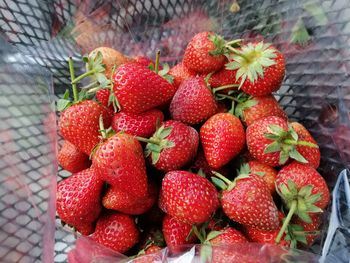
[90, 85]
[86, 74]
[102, 128]
[225, 87]
[286, 221]
[303, 143]
[220, 176]
[228, 97]
[72, 77]
[93, 90]
[232, 42]
[150, 140]
[156, 66]
[238, 53]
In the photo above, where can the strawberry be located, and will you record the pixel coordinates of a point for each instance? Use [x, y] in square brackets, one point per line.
[172, 146]
[260, 68]
[303, 186]
[312, 155]
[110, 58]
[222, 78]
[142, 60]
[222, 137]
[247, 200]
[78, 200]
[268, 173]
[81, 131]
[193, 102]
[237, 252]
[180, 73]
[123, 202]
[270, 140]
[303, 191]
[102, 95]
[119, 161]
[251, 109]
[204, 53]
[71, 159]
[142, 124]
[226, 236]
[116, 231]
[138, 89]
[177, 233]
[149, 255]
[188, 197]
[311, 229]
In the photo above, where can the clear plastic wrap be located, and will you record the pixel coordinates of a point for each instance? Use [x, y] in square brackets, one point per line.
[312, 34]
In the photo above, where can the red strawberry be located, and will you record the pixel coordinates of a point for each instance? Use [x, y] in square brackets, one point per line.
[119, 161]
[309, 227]
[139, 89]
[78, 200]
[71, 159]
[222, 78]
[271, 141]
[193, 102]
[172, 146]
[180, 73]
[227, 237]
[116, 231]
[222, 137]
[142, 60]
[123, 202]
[177, 233]
[81, 131]
[143, 124]
[251, 109]
[267, 237]
[149, 255]
[188, 197]
[204, 53]
[303, 186]
[312, 155]
[260, 68]
[237, 252]
[247, 200]
[268, 173]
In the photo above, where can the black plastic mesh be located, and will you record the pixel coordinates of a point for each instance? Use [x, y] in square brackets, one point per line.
[315, 91]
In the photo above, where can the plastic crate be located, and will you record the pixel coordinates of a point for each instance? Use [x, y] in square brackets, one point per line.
[38, 36]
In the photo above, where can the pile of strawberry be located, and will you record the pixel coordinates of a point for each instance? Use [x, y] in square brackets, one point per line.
[200, 153]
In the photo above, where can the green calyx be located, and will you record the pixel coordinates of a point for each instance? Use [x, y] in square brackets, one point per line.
[245, 101]
[285, 142]
[225, 184]
[157, 143]
[244, 170]
[304, 199]
[251, 60]
[219, 43]
[164, 71]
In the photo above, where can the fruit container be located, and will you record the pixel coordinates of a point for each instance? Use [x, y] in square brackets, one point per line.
[38, 36]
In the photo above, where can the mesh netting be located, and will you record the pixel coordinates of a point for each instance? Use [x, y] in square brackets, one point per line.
[315, 91]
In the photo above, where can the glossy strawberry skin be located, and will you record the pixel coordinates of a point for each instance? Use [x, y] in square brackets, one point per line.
[139, 89]
[250, 203]
[119, 161]
[84, 132]
[116, 231]
[123, 202]
[180, 73]
[222, 78]
[176, 233]
[78, 200]
[197, 57]
[222, 138]
[269, 176]
[229, 236]
[102, 96]
[142, 124]
[186, 141]
[188, 197]
[257, 142]
[265, 237]
[302, 175]
[266, 106]
[312, 155]
[270, 82]
[143, 61]
[193, 102]
[71, 159]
